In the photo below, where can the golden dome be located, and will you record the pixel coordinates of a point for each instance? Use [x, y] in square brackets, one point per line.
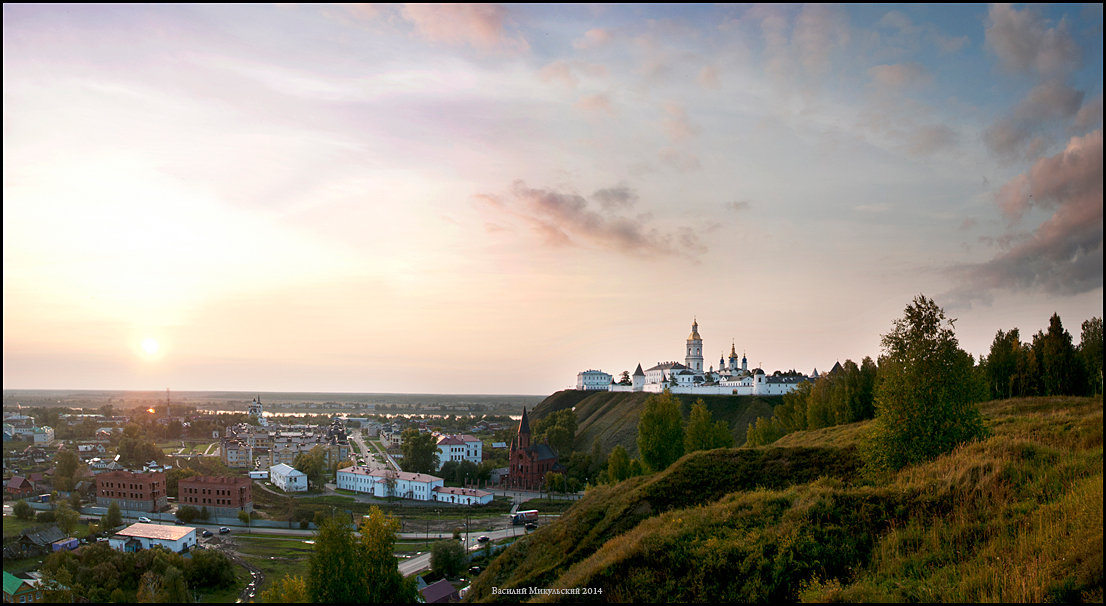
[695, 332]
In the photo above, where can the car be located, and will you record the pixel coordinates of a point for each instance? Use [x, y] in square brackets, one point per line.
[145, 520]
[483, 539]
[223, 530]
[531, 526]
[206, 533]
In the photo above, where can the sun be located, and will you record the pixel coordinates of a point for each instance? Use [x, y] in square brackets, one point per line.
[150, 346]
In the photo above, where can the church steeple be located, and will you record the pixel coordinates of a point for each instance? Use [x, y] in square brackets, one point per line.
[694, 358]
[524, 430]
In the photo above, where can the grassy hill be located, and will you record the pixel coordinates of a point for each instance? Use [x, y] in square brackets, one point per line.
[1015, 517]
[612, 417]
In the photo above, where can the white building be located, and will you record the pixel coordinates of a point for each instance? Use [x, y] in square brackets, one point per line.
[590, 380]
[288, 478]
[257, 411]
[733, 376]
[462, 496]
[144, 536]
[459, 448]
[383, 483]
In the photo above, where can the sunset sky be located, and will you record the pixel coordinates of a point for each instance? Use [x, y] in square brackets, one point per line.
[490, 199]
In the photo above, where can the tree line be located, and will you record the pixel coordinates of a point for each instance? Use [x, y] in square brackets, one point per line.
[1050, 364]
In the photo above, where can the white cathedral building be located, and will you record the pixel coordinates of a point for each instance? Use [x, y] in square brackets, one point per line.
[733, 376]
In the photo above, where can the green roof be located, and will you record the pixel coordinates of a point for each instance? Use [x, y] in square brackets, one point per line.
[11, 583]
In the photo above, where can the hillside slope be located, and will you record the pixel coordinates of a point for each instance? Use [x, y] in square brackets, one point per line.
[612, 417]
[1014, 517]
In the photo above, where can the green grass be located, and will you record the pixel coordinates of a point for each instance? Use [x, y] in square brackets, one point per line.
[1015, 517]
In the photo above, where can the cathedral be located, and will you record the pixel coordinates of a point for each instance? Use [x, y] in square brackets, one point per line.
[530, 462]
[733, 376]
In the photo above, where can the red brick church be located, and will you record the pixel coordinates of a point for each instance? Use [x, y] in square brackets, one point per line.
[530, 463]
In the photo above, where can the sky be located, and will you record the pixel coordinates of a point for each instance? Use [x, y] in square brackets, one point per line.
[491, 199]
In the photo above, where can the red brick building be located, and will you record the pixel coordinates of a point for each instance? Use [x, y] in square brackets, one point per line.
[133, 491]
[221, 496]
[530, 462]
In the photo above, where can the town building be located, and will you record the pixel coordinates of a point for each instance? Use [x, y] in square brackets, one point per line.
[19, 487]
[460, 448]
[383, 483]
[530, 462]
[593, 380]
[135, 537]
[222, 496]
[132, 491]
[287, 478]
[462, 496]
[20, 591]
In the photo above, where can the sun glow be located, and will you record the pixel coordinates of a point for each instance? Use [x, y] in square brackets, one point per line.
[150, 346]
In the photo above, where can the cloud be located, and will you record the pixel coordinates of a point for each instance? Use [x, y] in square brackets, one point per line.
[595, 103]
[616, 197]
[931, 139]
[482, 26]
[1064, 254]
[1024, 42]
[708, 77]
[558, 71]
[737, 205]
[1049, 102]
[819, 30]
[593, 38]
[900, 76]
[676, 123]
[567, 219]
[1090, 115]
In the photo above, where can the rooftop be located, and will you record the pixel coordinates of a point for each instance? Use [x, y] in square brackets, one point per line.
[156, 531]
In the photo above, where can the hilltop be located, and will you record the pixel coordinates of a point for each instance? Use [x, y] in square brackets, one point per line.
[1014, 517]
[612, 417]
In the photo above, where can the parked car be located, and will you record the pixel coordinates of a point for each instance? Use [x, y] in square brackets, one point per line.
[145, 520]
[206, 533]
[531, 526]
[483, 539]
[223, 530]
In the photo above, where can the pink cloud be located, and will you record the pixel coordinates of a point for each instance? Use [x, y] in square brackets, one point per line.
[482, 26]
[1064, 254]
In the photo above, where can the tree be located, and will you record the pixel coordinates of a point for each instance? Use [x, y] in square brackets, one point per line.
[334, 569]
[377, 551]
[187, 513]
[618, 465]
[703, 432]
[22, 510]
[765, 431]
[286, 590]
[243, 517]
[113, 518]
[1061, 370]
[65, 466]
[66, 518]
[1001, 365]
[660, 431]
[559, 429]
[447, 558]
[210, 569]
[343, 569]
[420, 451]
[925, 400]
[313, 465]
[1090, 350]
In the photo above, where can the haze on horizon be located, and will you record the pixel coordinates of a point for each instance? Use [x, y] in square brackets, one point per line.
[490, 199]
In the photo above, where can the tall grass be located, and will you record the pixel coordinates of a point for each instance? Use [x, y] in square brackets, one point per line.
[1015, 517]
